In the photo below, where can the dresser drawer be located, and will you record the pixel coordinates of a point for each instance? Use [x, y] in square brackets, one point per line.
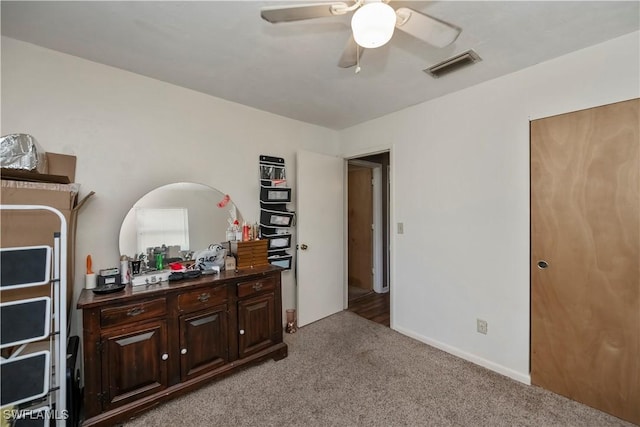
[202, 298]
[143, 310]
[246, 289]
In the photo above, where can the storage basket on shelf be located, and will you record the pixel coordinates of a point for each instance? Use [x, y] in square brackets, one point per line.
[275, 194]
[271, 218]
[277, 241]
[281, 259]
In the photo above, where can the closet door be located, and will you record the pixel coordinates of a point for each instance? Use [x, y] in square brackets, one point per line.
[585, 257]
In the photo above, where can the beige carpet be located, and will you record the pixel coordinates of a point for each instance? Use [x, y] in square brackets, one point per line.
[347, 371]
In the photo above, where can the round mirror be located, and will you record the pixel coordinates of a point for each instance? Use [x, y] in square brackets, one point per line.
[176, 219]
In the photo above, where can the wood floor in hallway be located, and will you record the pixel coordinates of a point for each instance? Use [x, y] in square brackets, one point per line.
[372, 306]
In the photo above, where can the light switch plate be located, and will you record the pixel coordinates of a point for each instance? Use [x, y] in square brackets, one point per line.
[400, 228]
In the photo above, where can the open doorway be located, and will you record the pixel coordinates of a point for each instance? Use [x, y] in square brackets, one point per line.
[368, 237]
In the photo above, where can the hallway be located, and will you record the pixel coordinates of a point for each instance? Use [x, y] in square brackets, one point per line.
[371, 306]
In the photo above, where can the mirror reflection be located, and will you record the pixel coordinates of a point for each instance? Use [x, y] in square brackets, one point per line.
[176, 220]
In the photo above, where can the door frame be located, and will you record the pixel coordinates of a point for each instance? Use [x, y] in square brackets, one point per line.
[353, 155]
[376, 250]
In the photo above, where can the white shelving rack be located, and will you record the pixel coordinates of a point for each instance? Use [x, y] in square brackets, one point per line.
[34, 330]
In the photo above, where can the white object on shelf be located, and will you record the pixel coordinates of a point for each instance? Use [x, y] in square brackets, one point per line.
[150, 278]
[90, 280]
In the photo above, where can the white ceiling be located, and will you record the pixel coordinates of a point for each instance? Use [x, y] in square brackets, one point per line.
[224, 48]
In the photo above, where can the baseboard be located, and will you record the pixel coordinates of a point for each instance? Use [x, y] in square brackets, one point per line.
[503, 370]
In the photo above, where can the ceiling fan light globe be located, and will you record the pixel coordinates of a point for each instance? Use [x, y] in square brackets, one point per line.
[373, 24]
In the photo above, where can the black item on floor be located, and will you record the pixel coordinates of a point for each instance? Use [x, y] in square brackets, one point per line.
[74, 397]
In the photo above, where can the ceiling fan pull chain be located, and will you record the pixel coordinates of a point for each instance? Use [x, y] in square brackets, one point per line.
[357, 58]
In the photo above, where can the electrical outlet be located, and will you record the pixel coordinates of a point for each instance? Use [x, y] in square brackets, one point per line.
[483, 326]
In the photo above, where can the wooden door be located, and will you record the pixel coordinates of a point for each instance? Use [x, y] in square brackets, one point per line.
[585, 225]
[360, 233]
[134, 363]
[320, 230]
[203, 341]
[257, 323]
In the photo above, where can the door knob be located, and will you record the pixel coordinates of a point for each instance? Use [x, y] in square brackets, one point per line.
[304, 247]
[542, 264]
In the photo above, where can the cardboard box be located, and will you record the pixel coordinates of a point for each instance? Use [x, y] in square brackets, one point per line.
[25, 228]
[61, 169]
[62, 165]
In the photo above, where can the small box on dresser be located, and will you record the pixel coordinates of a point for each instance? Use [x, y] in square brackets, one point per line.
[250, 254]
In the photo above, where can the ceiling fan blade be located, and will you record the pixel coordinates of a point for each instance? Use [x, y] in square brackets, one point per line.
[275, 14]
[426, 28]
[350, 54]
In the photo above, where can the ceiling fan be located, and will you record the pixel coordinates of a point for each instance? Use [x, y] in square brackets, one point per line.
[372, 24]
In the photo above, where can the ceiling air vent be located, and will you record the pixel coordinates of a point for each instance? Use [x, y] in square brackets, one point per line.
[452, 64]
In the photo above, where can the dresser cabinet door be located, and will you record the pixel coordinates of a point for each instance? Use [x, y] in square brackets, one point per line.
[257, 324]
[203, 341]
[134, 363]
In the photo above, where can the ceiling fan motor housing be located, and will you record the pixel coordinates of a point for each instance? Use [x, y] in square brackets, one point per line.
[373, 24]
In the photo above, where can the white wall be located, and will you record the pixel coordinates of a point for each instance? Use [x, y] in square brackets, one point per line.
[132, 134]
[460, 179]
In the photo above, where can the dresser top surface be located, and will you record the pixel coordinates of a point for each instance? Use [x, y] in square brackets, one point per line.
[89, 299]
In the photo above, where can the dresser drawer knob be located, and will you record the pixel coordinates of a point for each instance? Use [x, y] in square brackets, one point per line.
[257, 286]
[135, 311]
[165, 356]
[204, 297]
[183, 351]
[241, 331]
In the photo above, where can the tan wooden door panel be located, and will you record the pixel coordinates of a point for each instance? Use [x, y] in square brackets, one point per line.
[360, 233]
[585, 224]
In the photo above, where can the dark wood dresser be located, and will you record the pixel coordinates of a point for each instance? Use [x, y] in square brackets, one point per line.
[147, 344]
